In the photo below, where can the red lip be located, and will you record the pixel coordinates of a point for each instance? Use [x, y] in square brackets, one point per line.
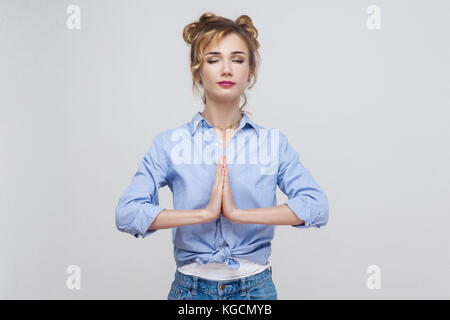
[226, 82]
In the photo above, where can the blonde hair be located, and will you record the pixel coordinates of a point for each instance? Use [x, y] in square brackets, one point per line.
[211, 27]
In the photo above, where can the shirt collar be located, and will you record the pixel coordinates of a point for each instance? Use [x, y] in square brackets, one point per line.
[197, 120]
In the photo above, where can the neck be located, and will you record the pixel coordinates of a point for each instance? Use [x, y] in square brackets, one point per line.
[222, 116]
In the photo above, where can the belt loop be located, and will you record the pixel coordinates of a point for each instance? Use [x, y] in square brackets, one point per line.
[194, 285]
[243, 288]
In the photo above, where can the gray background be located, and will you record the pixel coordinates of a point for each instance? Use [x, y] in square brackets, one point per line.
[367, 110]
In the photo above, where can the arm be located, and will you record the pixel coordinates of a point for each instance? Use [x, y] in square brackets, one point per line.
[138, 211]
[307, 205]
[174, 218]
[306, 199]
[278, 215]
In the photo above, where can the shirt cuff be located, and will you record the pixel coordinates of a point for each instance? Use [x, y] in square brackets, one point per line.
[301, 209]
[144, 222]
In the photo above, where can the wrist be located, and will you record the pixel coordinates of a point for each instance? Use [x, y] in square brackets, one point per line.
[205, 216]
[239, 215]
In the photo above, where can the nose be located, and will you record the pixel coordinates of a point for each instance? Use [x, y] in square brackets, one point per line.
[226, 69]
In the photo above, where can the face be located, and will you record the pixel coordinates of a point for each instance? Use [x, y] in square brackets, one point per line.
[226, 61]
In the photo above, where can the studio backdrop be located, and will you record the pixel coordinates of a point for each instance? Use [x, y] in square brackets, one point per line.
[361, 88]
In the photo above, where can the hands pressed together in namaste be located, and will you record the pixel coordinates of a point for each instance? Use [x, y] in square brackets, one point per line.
[221, 199]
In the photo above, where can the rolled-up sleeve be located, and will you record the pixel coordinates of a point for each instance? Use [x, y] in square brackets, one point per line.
[139, 206]
[305, 197]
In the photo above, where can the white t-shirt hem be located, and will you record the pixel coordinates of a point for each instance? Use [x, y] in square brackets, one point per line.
[221, 271]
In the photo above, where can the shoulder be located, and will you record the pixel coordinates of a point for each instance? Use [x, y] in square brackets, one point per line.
[269, 132]
[164, 139]
[277, 139]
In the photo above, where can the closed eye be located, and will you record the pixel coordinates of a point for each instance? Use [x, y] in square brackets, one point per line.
[239, 61]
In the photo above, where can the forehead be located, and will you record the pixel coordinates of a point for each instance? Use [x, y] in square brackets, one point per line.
[230, 42]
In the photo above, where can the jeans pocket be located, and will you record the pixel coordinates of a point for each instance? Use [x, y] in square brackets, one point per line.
[178, 292]
[263, 291]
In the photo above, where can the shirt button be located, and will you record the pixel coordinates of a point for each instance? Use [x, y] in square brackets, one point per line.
[218, 248]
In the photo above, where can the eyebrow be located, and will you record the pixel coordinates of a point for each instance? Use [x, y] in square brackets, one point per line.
[219, 53]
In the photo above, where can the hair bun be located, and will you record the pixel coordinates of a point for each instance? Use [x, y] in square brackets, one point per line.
[191, 31]
[246, 23]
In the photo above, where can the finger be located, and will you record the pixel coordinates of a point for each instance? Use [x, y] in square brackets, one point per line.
[224, 160]
[226, 183]
[218, 184]
[216, 176]
[222, 178]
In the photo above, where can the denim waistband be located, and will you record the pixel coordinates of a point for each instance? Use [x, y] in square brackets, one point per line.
[194, 283]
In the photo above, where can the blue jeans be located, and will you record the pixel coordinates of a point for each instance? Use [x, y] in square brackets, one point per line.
[255, 287]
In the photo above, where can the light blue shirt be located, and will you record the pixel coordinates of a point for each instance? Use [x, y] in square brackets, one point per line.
[185, 159]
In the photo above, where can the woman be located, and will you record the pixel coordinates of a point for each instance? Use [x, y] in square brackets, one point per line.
[224, 196]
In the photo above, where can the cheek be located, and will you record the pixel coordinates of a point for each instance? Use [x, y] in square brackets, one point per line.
[245, 73]
[209, 74]
[244, 78]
